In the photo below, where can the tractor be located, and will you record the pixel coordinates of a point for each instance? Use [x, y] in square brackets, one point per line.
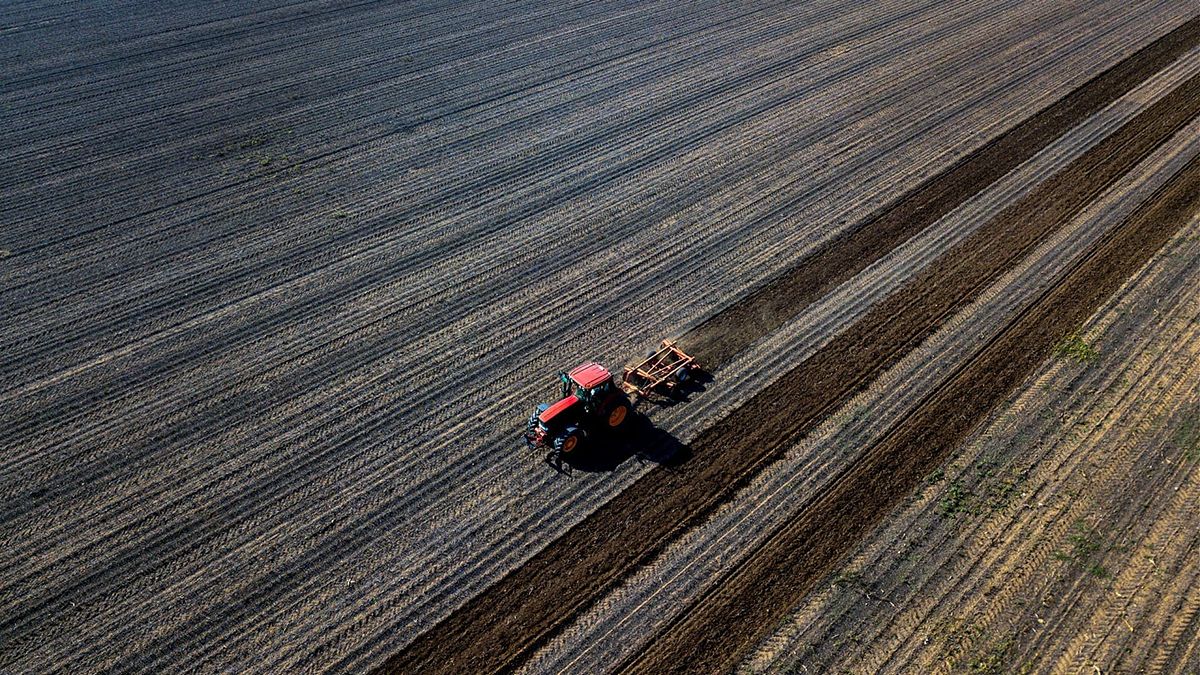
[590, 401]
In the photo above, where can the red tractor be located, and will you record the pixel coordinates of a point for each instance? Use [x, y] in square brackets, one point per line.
[592, 400]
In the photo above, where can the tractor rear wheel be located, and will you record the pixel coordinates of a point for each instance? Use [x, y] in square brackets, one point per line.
[616, 416]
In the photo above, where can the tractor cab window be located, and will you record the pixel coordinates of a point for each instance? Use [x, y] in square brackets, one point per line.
[594, 392]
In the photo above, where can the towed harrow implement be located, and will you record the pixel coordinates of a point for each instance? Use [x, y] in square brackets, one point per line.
[662, 370]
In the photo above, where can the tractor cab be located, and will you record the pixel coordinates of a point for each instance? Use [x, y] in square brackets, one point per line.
[590, 383]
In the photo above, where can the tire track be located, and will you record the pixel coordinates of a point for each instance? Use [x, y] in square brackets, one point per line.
[612, 629]
[335, 430]
[165, 398]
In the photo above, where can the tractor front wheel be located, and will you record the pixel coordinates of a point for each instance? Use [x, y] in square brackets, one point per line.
[567, 442]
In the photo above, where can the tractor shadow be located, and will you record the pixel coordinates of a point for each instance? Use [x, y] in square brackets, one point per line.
[640, 440]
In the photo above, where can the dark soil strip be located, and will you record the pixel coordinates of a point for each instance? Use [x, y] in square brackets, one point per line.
[767, 308]
[758, 593]
[508, 621]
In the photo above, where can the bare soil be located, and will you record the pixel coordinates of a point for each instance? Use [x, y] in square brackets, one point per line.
[757, 594]
[281, 279]
[1062, 537]
[768, 307]
[507, 621]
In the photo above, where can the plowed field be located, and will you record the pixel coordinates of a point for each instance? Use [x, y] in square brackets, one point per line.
[280, 283]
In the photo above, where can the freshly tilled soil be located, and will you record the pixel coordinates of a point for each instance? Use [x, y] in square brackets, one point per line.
[504, 623]
[758, 593]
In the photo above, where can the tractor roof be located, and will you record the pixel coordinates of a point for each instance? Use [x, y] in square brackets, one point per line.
[589, 375]
[551, 412]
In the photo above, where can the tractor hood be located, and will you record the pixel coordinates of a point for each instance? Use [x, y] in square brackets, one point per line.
[554, 410]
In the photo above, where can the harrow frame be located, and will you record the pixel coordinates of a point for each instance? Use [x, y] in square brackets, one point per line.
[663, 371]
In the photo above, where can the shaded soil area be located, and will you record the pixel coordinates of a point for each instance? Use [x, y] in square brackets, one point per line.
[758, 593]
[502, 625]
[771, 305]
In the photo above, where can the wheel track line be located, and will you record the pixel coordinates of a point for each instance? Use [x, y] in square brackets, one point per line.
[859, 476]
[1169, 525]
[1183, 631]
[1181, 634]
[917, 249]
[56, 80]
[450, 46]
[258, 46]
[29, 79]
[1047, 644]
[1172, 616]
[1051, 525]
[917, 593]
[280, 84]
[781, 298]
[370, 90]
[984, 531]
[1037, 554]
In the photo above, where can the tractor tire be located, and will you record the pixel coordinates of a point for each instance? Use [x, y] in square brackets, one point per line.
[617, 415]
[567, 443]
